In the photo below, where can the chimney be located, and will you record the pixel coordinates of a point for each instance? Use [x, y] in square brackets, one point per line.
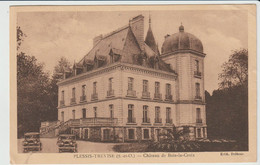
[97, 39]
[137, 26]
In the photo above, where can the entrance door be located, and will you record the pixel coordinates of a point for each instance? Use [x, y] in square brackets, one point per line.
[106, 134]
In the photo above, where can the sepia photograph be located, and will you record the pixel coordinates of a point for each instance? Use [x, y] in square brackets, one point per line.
[156, 80]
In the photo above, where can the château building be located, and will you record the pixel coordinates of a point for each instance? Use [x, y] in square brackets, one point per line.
[125, 89]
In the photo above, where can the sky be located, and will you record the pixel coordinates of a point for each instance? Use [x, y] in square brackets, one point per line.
[51, 35]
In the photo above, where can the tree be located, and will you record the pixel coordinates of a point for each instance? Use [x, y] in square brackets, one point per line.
[235, 71]
[227, 107]
[62, 66]
[174, 141]
[33, 91]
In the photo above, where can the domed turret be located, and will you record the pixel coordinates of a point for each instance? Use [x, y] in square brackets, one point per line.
[181, 41]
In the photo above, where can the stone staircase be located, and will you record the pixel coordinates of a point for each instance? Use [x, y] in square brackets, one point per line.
[53, 129]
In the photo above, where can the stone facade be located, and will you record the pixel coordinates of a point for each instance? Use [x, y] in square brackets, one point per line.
[123, 101]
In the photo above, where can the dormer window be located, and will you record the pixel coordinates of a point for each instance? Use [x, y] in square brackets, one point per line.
[114, 55]
[99, 61]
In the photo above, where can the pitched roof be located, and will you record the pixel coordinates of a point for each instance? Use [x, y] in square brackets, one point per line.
[149, 39]
[116, 39]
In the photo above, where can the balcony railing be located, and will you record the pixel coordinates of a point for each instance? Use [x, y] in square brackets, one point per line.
[131, 93]
[168, 121]
[168, 97]
[73, 100]
[94, 96]
[158, 120]
[98, 121]
[146, 95]
[110, 93]
[157, 96]
[198, 120]
[83, 98]
[131, 120]
[197, 74]
[146, 120]
[62, 103]
[198, 98]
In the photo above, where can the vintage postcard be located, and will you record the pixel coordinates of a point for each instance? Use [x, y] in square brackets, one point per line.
[129, 84]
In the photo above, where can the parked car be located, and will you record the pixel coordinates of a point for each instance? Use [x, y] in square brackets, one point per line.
[67, 142]
[32, 142]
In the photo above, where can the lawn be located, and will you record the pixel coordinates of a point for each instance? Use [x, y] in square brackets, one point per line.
[131, 147]
[203, 147]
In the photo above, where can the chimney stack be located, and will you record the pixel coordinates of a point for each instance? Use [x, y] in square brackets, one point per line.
[137, 26]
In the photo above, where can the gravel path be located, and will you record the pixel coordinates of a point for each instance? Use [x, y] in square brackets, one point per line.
[49, 146]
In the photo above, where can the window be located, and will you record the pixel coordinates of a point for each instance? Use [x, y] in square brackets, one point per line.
[83, 90]
[197, 65]
[84, 113]
[110, 84]
[62, 95]
[145, 114]
[186, 130]
[73, 114]
[157, 87]
[168, 115]
[111, 109]
[146, 133]
[199, 133]
[94, 87]
[130, 83]
[197, 89]
[131, 113]
[62, 116]
[73, 92]
[114, 57]
[106, 134]
[145, 85]
[95, 112]
[198, 114]
[157, 115]
[168, 89]
[131, 134]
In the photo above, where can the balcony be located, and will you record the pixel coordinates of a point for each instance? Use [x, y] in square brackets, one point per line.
[73, 100]
[110, 93]
[198, 120]
[98, 121]
[146, 95]
[197, 74]
[131, 120]
[94, 97]
[157, 96]
[131, 93]
[168, 97]
[146, 120]
[198, 98]
[158, 120]
[83, 98]
[62, 103]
